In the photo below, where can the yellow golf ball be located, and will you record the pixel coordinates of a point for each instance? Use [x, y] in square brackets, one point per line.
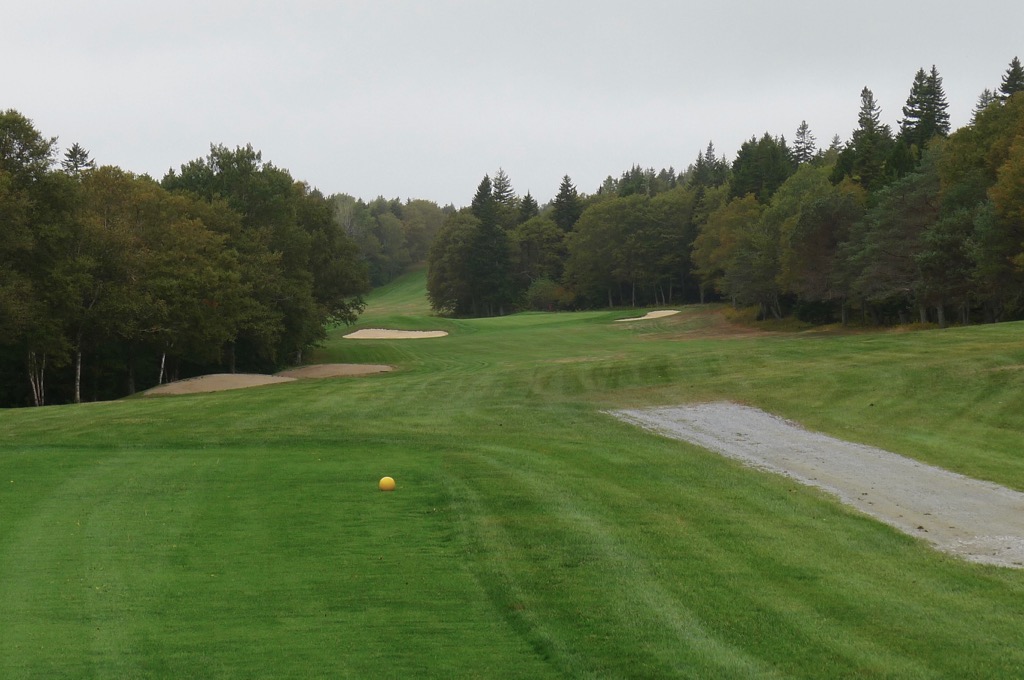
[387, 484]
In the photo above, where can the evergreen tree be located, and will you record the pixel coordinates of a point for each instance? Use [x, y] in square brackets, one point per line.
[489, 258]
[804, 144]
[925, 113]
[528, 208]
[506, 203]
[76, 159]
[1013, 80]
[864, 157]
[985, 99]
[483, 205]
[567, 206]
[761, 166]
[708, 170]
[501, 189]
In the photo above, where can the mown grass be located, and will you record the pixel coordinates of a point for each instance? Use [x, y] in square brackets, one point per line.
[240, 534]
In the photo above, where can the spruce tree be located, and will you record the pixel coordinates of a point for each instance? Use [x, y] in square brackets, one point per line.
[489, 261]
[804, 144]
[985, 99]
[869, 145]
[567, 208]
[483, 207]
[502, 188]
[528, 208]
[76, 159]
[925, 114]
[708, 170]
[1013, 80]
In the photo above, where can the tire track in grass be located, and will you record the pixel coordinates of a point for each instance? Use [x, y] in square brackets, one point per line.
[643, 607]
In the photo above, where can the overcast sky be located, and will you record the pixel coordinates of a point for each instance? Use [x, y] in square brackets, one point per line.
[420, 99]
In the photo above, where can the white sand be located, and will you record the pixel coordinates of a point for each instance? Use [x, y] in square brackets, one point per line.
[651, 315]
[386, 334]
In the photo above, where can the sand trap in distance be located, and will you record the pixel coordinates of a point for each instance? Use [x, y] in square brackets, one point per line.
[386, 334]
[219, 382]
[651, 315]
[334, 370]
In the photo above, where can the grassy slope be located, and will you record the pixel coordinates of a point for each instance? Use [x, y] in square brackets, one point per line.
[240, 534]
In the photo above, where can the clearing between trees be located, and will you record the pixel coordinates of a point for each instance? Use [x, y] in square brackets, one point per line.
[976, 520]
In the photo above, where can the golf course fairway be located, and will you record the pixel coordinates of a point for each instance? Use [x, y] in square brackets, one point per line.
[242, 534]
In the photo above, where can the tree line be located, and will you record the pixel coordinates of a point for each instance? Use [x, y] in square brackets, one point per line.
[112, 282]
[891, 226]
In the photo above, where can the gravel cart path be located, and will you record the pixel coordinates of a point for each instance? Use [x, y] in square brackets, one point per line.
[979, 521]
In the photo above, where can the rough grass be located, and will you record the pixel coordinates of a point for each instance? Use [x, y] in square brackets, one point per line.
[241, 534]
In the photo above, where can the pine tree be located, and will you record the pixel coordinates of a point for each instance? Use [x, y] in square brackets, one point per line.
[483, 207]
[567, 208]
[985, 99]
[708, 170]
[804, 144]
[869, 145]
[489, 259]
[502, 189]
[939, 105]
[506, 203]
[925, 114]
[528, 208]
[1013, 80]
[76, 159]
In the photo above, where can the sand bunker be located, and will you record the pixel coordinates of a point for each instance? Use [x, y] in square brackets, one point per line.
[979, 521]
[385, 334]
[219, 382]
[334, 370]
[651, 315]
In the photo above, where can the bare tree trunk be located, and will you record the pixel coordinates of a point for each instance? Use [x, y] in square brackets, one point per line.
[78, 375]
[163, 363]
[922, 313]
[36, 374]
[940, 312]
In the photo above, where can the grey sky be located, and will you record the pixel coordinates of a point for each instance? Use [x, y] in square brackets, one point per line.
[420, 99]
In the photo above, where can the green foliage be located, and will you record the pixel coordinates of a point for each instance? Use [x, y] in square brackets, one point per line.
[717, 246]
[804, 144]
[864, 158]
[761, 166]
[925, 114]
[450, 282]
[116, 281]
[566, 206]
[708, 171]
[1013, 80]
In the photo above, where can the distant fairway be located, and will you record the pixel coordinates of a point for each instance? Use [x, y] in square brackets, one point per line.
[241, 534]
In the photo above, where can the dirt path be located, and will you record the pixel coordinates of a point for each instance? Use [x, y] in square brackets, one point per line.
[979, 521]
